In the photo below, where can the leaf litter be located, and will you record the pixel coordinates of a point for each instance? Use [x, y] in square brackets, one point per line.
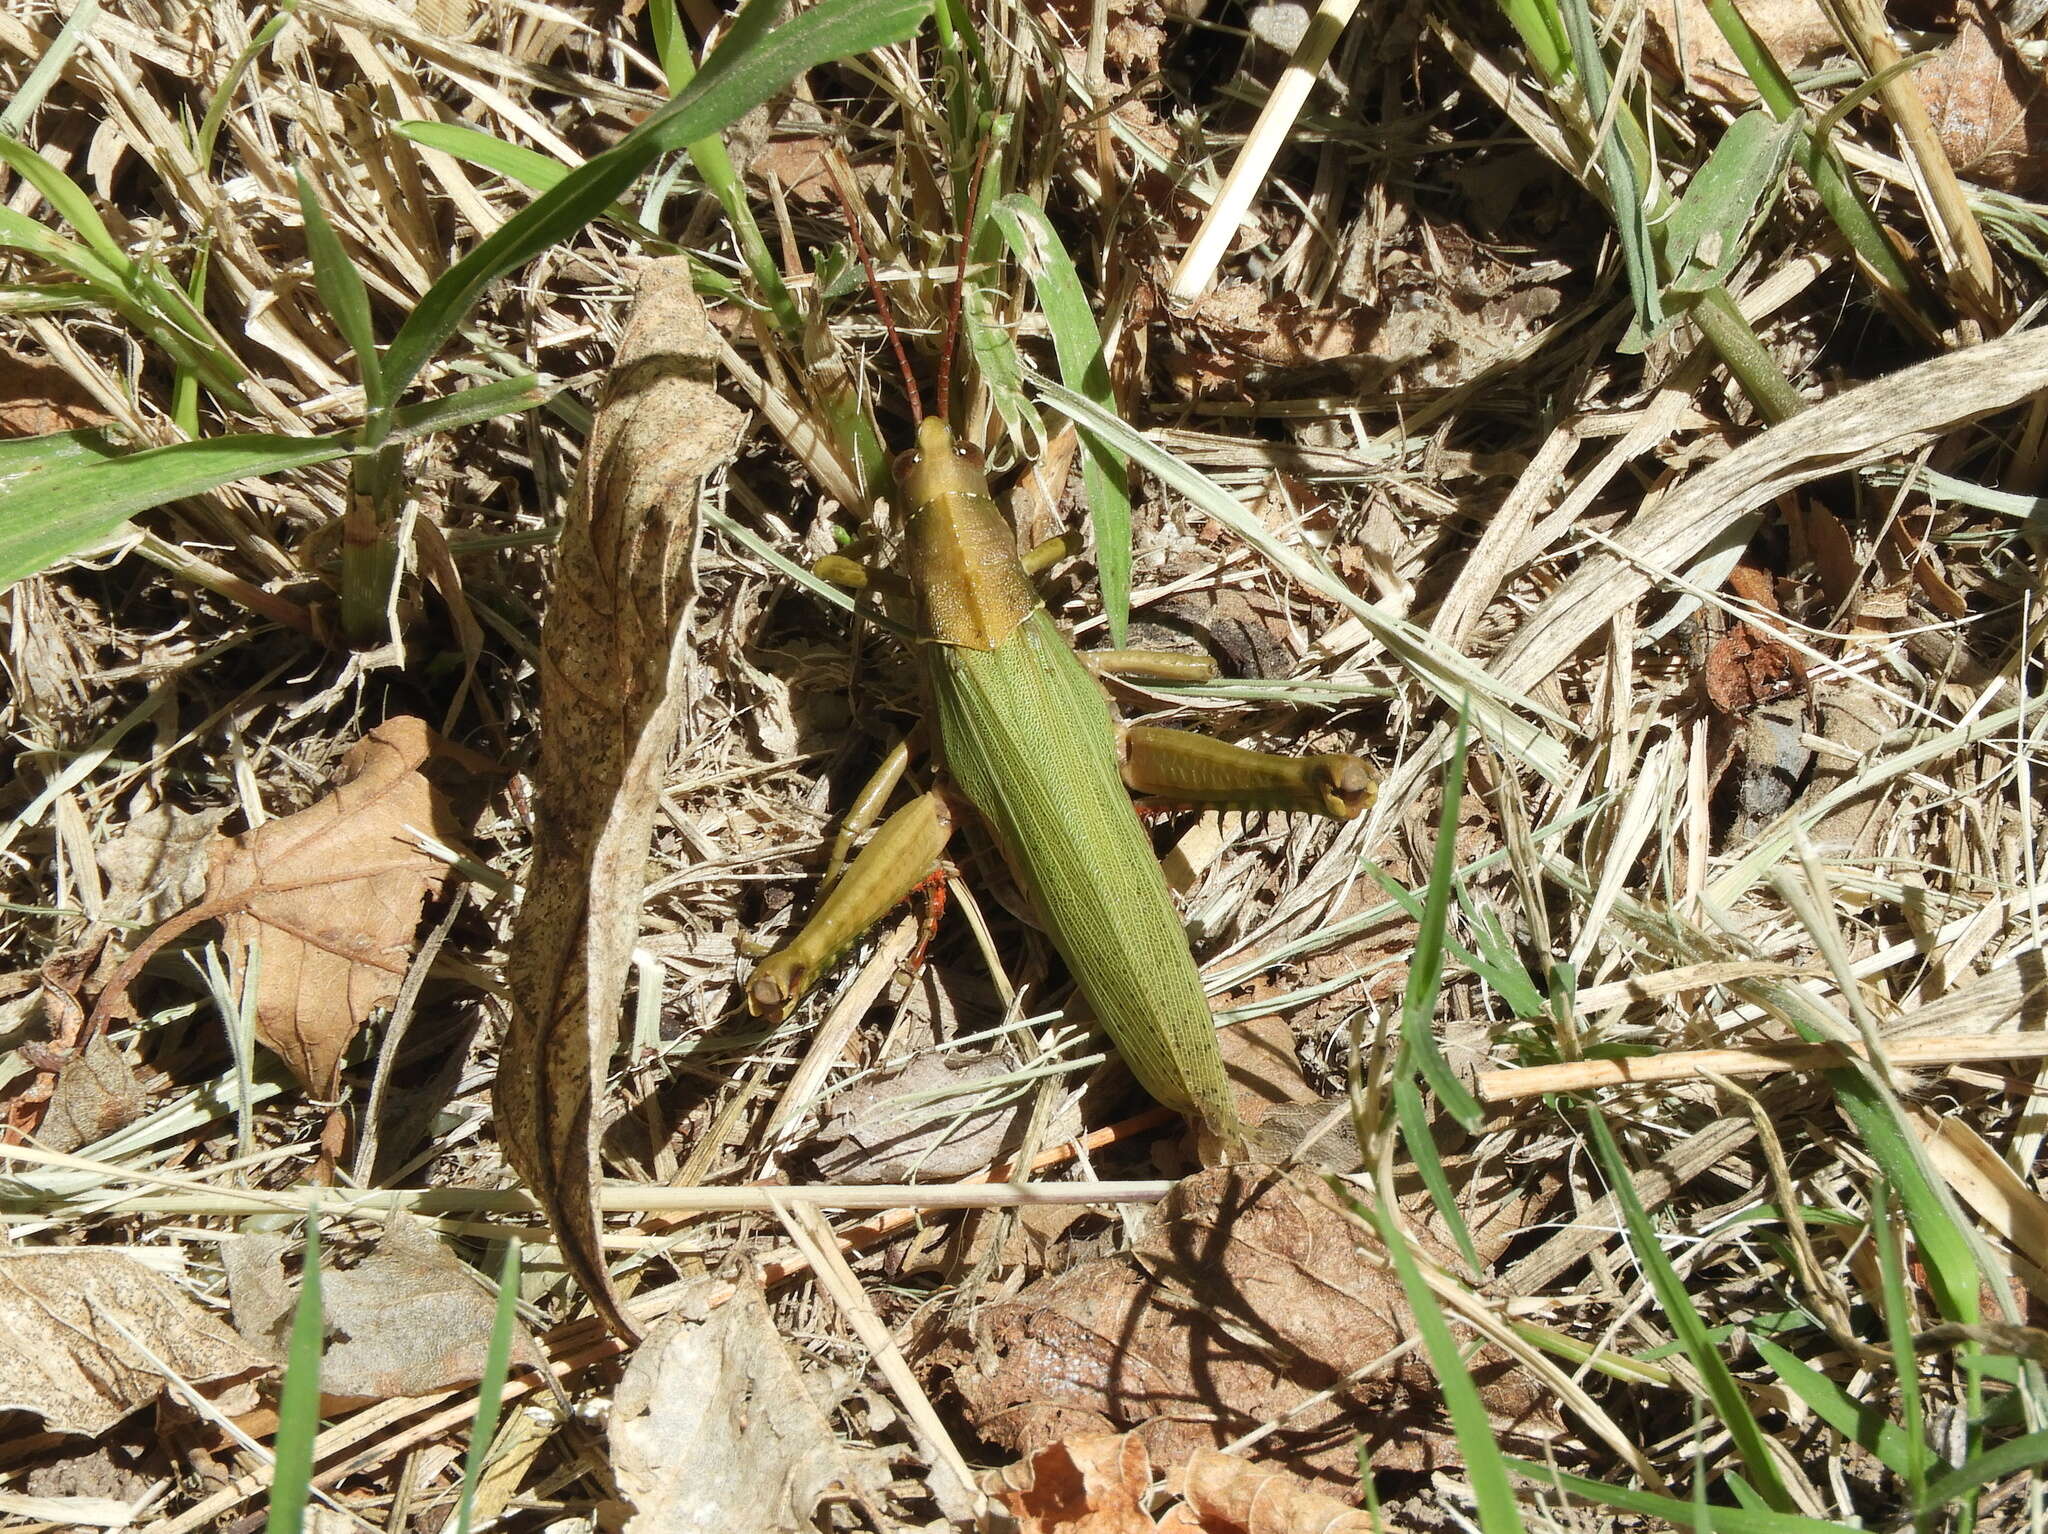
[1405, 365]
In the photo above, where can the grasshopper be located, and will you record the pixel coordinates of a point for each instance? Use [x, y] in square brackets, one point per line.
[1024, 740]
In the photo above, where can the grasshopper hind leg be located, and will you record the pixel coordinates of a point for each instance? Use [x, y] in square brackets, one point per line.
[1179, 768]
[897, 862]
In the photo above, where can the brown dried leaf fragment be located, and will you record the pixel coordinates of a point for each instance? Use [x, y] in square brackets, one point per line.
[1227, 1495]
[1750, 665]
[713, 1427]
[611, 671]
[157, 863]
[86, 1335]
[1251, 1291]
[330, 899]
[1987, 110]
[38, 397]
[97, 1093]
[1092, 1483]
[407, 1320]
[1685, 40]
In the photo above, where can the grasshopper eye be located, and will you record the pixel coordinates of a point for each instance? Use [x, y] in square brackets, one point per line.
[968, 454]
[907, 463]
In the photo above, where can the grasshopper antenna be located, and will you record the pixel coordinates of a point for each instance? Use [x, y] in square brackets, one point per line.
[882, 303]
[960, 280]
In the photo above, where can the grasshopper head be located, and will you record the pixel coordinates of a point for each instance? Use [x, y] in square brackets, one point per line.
[939, 466]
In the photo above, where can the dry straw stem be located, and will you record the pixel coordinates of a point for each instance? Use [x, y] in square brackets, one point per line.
[1890, 417]
[814, 1238]
[1960, 239]
[1255, 158]
[1763, 1060]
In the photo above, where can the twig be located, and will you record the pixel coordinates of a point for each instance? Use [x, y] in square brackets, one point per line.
[1255, 158]
[1763, 1060]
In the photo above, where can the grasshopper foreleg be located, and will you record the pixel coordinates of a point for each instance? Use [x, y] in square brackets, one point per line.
[1177, 767]
[899, 859]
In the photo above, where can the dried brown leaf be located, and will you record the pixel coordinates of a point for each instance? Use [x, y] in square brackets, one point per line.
[157, 863]
[37, 397]
[330, 899]
[802, 165]
[86, 1335]
[611, 669]
[1747, 667]
[409, 1319]
[1795, 32]
[890, 1129]
[96, 1094]
[1251, 1291]
[1228, 1495]
[1092, 1483]
[713, 1428]
[1987, 110]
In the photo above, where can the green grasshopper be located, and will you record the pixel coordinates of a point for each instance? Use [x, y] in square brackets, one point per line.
[1024, 739]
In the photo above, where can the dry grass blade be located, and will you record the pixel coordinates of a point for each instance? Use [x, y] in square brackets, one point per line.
[1890, 417]
[612, 659]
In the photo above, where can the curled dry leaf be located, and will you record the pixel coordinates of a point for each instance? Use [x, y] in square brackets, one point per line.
[611, 669]
[1226, 1495]
[85, 1338]
[330, 899]
[1748, 666]
[1092, 1483]
[713, 1428]
[1251, 1291]
[1987, 110]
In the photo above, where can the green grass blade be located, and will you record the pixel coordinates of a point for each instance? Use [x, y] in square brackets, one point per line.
[47, 517]
[23, 457]
[298, 1407]
[1451, 675]
[1856, 1421]
[1412, 1114]
[21, 232]
[465, 407]
[1680, 1515]
[1078, 345]
[1486, 1469]
[490, 1389]
[1624, 185]
[1898, 1325]
[1722, 1389]
[1426, 964]
[1951, 1265]
[67, 199]
[224, 94]
[2007, 1459]
[757, 58]
[344, 292]
[515, 162]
